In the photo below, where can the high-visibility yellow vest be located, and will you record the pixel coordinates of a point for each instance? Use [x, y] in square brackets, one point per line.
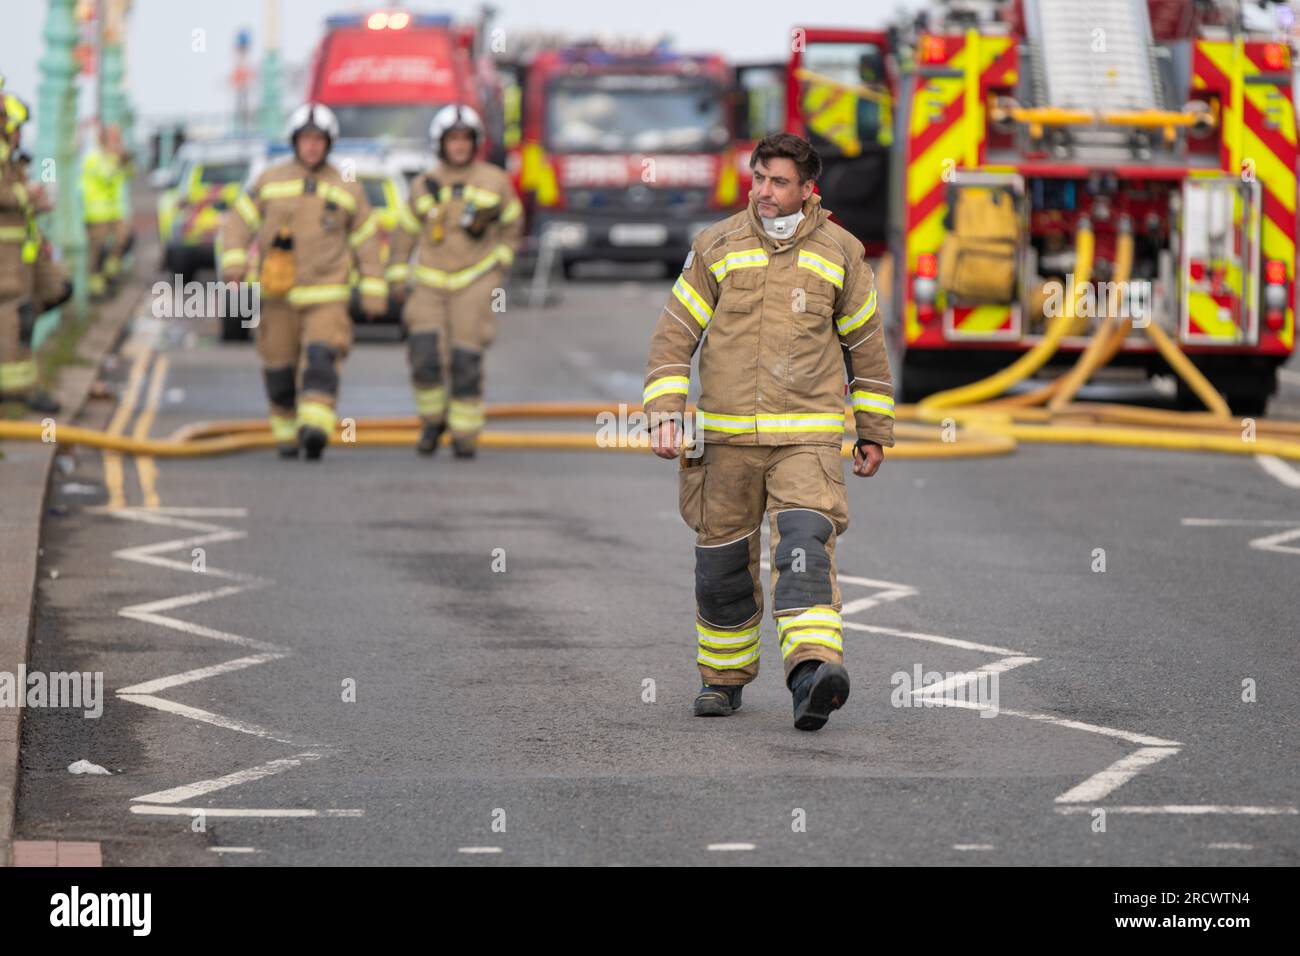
[103, 187]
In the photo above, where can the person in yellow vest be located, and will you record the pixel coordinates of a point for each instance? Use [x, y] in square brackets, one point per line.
[308, 222]
[105, 180]
[21, 252]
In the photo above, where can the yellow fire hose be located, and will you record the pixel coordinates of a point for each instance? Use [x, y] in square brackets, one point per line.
[969, 421]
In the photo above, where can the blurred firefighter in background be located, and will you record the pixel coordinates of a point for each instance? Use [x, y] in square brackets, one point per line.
[464, 222]
[308, 223]
[105, 183]
[31, 280]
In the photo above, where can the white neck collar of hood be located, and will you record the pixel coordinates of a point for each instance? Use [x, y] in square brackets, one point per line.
[782, 227]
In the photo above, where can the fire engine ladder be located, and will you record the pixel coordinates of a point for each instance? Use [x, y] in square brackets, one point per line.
[1093, 55]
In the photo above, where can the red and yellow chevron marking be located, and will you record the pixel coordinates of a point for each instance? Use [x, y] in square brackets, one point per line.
[944, 117]
[1259, 130]
[982, 320]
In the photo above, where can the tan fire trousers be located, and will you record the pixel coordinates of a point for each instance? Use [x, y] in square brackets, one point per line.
[17, 367]
[302, 349]
[724, 495]
[448, 333]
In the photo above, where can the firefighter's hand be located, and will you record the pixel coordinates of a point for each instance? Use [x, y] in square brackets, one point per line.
[40, 199]
[867, 457]
[665, 441]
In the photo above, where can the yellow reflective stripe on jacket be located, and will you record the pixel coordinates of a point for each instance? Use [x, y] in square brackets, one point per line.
[734, 424]
[373, 286]
[398, 273]
[424, 202]
[248, 212]
[233, 258]
[364, 231]
[694, 303]
[284, 189]
[744, 259]
[512, 211]
[790, 422]
[505, 254]
[873, 402]
[668, 385]
[823, 267]
[439, 279]
[848, 323]
[13, 233]
[407, 221]
[316, 294]
[801, 422]
[339, 196]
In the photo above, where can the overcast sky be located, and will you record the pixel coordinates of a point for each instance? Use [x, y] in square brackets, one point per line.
[166, 77]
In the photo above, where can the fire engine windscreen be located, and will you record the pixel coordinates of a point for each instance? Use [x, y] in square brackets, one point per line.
[375, 121]
[635, 113]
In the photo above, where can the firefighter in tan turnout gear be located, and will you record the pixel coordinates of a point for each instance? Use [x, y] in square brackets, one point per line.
[464, 222]
[308, 224]
[780, 303]
[31, 280]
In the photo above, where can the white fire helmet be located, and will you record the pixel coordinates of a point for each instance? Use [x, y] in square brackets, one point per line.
[453, 117]
[312, 116]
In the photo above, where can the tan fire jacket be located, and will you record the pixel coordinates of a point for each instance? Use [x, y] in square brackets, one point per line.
[19, 240]
[329, 221]
[448, 255]
[779, 322]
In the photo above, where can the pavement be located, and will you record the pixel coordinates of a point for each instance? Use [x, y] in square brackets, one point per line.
[382, 659]
[27, 467]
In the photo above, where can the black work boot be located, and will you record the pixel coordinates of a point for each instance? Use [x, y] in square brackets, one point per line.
[41, 401]
[819, 687]
[717, 700]
[429, 436]
[313, 441]
[287, 450]
[463, 448]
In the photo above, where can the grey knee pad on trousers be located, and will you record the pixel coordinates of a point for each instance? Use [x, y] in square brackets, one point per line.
[280, 387]
[426, 362]
[320, 374]
[724, 591]
[803, 534]
[466, 373]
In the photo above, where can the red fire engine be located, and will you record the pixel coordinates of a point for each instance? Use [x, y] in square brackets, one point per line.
[1136, 159]
[626, 155]
[386, 73]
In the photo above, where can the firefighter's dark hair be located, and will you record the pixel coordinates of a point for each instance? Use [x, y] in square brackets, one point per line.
[788, 146]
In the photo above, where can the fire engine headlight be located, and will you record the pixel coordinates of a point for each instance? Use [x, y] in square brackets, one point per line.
[567, 235]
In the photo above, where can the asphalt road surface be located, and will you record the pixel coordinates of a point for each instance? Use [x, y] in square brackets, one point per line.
[386, 659]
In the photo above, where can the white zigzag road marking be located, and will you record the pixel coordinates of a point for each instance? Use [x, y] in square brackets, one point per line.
[145, 693]
[1099, 785]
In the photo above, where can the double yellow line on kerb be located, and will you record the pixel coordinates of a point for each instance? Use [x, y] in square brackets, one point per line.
[146, 469]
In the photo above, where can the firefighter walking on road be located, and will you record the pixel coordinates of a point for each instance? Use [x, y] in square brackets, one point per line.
[30, 278]
[464, 222]
[105, 182]
[308, 223]
[780, 304]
